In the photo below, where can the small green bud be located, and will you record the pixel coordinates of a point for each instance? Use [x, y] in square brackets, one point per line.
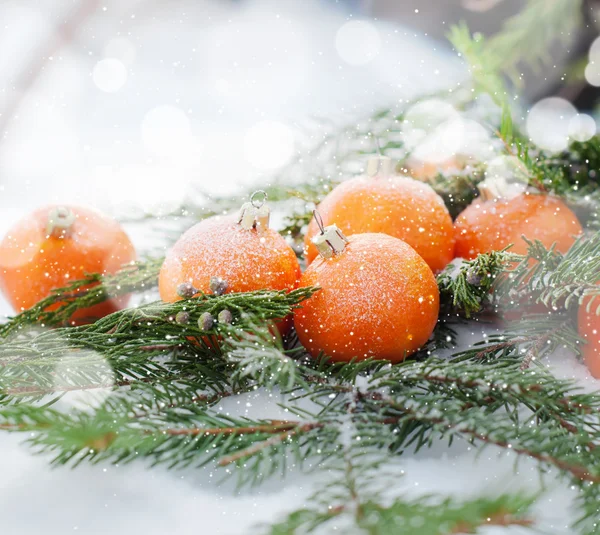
[225, 316]
[206, 321]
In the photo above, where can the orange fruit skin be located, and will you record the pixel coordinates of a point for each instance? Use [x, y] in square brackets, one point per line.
[378, 299]
[486, 226]
[589, 329]
[32, 264]
[426, 171]
[399, 206]
[220, 247]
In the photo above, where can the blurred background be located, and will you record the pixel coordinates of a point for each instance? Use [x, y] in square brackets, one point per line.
[127, 104]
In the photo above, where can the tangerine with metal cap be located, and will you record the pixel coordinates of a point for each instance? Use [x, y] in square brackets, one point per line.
[377, 298]
[492, 224]
[56, 245]
[589, 329]
[382, 202]
[224, 254]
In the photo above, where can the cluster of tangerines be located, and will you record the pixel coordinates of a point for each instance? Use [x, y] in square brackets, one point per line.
[373, 249]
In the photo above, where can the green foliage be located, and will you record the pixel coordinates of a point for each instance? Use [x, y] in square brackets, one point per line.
[124, 347]
[555, 280]
[465, 284]
[91, 290]
[525, 38]
[425, 516]
[458, 189]
[483, 66]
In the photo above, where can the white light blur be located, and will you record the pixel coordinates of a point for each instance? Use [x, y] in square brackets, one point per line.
[358, 42]
[84, 376]
[505, 177]
[122, 49]
[244, 65]
[592, 73]
[594, 52]
[109, 75]
[153, 188]
[582, 127]
[476, 141]
[167, 132]
[72, 375]
[50, 149]
[548, 123]
[433, 131]
[268, 145]
[505, 167]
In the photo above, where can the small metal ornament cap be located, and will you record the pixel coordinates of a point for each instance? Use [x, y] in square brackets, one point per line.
[330, 241]
[255, 213]
[60, 221]
[380, 166]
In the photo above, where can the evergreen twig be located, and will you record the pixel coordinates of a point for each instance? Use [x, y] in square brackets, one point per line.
[93, 289]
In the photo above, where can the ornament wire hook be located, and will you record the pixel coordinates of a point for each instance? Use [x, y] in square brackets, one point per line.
[319, 220]
[378, 145]
[375, 164]
[258, 203]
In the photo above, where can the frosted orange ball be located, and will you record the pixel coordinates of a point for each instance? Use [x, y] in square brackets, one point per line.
[33, 263]
[589, 329]
[492, 225]
[378, 299]
[399, 206]
[219, 247]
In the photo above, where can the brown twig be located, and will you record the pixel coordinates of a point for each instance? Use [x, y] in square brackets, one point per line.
[578, 471]
[277, 439]
[500, 518]
[534, 350]
[502, 345]
[159, 347]
[35, 390]
[276, 427]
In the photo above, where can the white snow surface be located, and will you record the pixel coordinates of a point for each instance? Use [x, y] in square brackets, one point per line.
[212, 74]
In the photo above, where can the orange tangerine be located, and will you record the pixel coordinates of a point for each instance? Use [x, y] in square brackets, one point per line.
[56, 245]
[492, 225]
[395, 205]
[242, 259]
[589, 329]
[378, 299]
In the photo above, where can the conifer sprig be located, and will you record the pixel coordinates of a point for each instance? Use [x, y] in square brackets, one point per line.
[93, 289]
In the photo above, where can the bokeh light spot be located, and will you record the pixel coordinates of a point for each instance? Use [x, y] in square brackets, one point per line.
[592, 73]
[358, 42]
[582, 127]
[121, 49]
[269, 145]
[166, 130]
[548, 123]
[109, 75]
[433, 131]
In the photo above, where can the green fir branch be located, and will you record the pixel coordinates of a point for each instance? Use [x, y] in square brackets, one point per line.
[484, 69]
[465, 284]
[528, 36]
[525, 38]
[123, 347]
[92, 290]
